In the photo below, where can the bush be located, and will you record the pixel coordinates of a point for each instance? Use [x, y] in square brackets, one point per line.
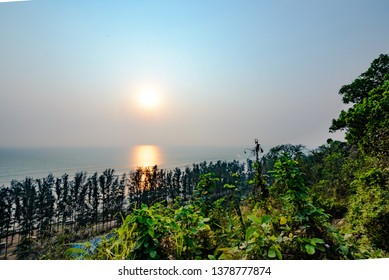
[369, 210]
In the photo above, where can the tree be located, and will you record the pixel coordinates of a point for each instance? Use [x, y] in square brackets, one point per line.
[372, 78]
[368, 216]
[16, 193]
[62, 189]
[29, 207]
[94, 198]
[119, 192]
[331, 169]
[79, 199]
[45, 205]
[6, 217]
[367, 121]
[296, 152]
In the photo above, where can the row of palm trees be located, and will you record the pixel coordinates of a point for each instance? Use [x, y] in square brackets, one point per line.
[41, 208]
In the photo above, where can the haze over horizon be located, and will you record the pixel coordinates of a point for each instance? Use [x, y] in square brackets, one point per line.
[200, 73]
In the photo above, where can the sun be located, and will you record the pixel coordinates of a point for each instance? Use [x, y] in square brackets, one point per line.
[149, 98]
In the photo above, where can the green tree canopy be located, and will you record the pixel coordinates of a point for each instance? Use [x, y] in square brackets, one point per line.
[367, 121]
[372, 78]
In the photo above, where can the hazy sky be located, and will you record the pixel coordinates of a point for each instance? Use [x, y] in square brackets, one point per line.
[224, 72]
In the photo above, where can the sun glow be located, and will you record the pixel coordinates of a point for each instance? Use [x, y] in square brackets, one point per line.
[149, 98]
[146, 156]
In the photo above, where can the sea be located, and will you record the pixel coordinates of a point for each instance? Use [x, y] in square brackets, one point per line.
[19, 163]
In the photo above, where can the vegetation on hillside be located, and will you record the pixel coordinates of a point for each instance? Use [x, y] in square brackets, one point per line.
[293, 203]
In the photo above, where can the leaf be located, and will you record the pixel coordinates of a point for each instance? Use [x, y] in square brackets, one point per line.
[310, 249]
[149, 221]
[174, 225]
[250, 231]
[254, 219]
[344, 249]
[278, 253]
[229, 186]
[315, 241]
[265, 219]
[153, 254]
[271, 253]
[138, 244]
[143, 206]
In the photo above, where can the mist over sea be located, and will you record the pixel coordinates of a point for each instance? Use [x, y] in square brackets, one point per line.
[19, 163]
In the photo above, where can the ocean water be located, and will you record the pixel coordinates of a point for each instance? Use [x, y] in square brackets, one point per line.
[19, 163]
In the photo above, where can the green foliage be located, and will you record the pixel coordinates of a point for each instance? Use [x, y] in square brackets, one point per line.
[290, 227]
[367, 121]
[295, 152]
[332, 168]
[203, 193]
[260, 239]
[27, 249]
[192, 233]
[154, 232]
[372, 78]
[367, 126]
[305, 225]
[228, 222]
[368, 216]
[260, 189]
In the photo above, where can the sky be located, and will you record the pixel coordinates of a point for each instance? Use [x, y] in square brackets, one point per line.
[220, 72]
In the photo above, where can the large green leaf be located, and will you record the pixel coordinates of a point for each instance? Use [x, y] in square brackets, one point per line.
[315, 241]
[310, 249]
[254, 219]
[250, 231]
[265, 219]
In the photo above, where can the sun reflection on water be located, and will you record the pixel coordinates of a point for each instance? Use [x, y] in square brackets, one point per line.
[146, 156]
